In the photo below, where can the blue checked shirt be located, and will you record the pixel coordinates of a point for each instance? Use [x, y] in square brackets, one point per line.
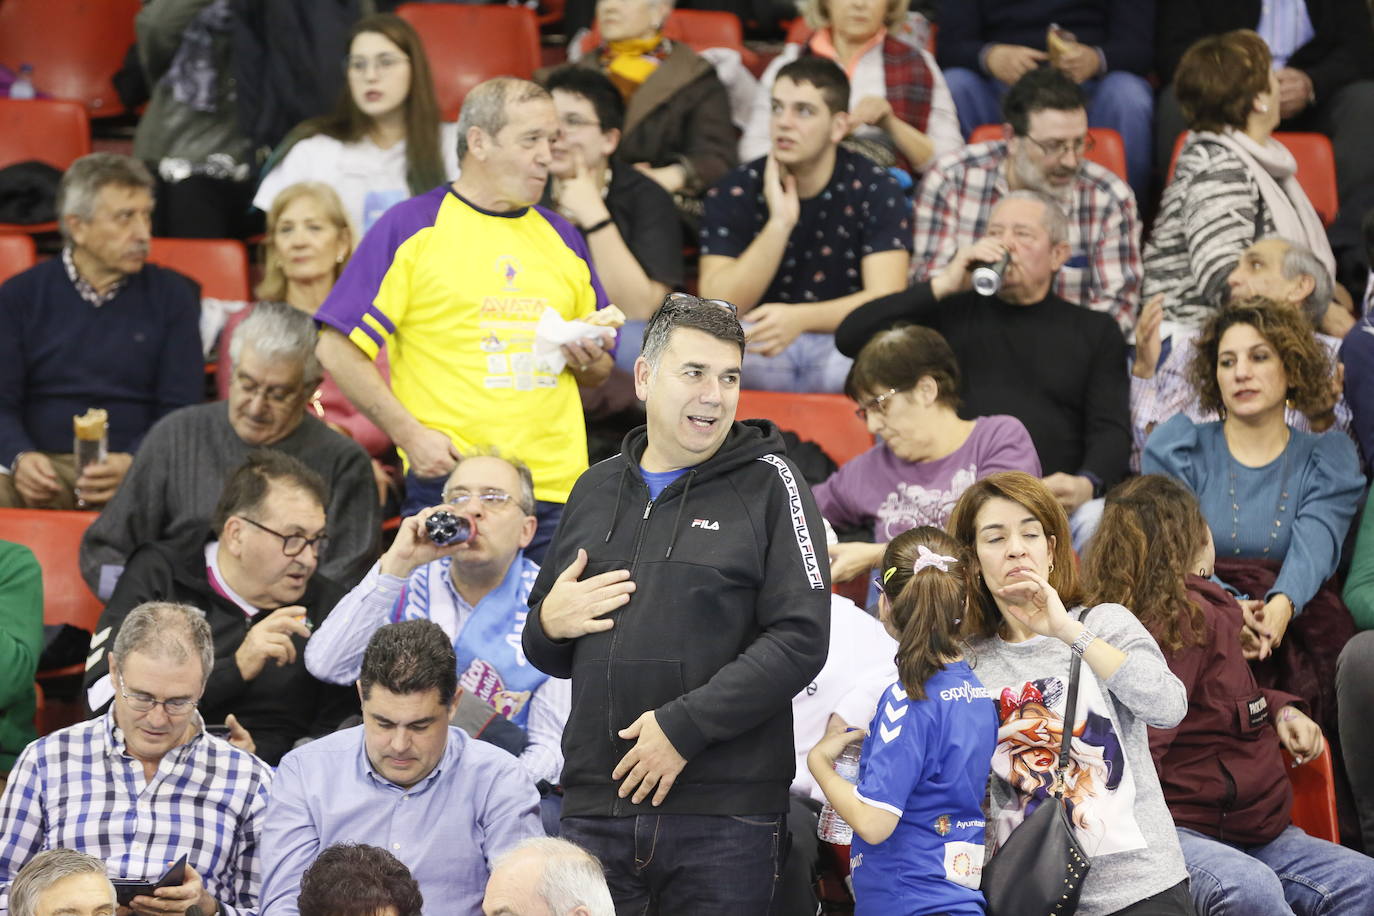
[78, 789]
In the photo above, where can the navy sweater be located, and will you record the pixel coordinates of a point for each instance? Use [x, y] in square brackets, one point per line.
[138, 356]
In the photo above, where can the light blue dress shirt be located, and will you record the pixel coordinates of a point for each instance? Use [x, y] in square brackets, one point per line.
[447, 828]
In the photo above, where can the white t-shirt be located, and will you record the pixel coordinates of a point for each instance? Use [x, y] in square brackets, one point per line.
[368, 179]
[860, 666]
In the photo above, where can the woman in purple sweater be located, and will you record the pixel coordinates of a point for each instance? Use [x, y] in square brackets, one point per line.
[906, 384]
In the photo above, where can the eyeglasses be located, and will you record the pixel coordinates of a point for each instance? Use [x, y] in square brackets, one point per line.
[689, 299]
[1055, 149]
[490, 499]
[877, 405]
[576, 122]
[277, 395]
[293, 544]
[142, 702]
[358, 65]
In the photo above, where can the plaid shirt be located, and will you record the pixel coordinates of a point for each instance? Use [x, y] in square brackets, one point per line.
[1169, 392]
[1103, 272]
[78, 789]
[85, 290]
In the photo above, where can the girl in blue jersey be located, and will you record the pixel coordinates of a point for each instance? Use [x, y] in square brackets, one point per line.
[917, 809]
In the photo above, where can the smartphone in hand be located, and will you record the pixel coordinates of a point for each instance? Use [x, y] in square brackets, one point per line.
[126, 889]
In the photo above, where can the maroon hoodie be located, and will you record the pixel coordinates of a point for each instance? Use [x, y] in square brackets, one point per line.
[1222, 768]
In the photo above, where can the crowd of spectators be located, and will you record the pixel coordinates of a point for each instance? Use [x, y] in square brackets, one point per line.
[1121, 417]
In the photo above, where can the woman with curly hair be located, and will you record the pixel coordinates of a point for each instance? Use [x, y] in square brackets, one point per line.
[1221, 768]
[1026, 622]
[1278, 501]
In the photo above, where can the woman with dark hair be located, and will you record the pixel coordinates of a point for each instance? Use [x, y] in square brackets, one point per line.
[1278, 501]
[917, 808]
[1222, 770]
[905, 383]
[1022, 638]
[1233, 185]
[383, 142]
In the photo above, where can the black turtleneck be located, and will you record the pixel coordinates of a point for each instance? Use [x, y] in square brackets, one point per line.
[1057, 367]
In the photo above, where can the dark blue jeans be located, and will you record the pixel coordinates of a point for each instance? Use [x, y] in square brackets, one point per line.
[423, 492]
[686, 864]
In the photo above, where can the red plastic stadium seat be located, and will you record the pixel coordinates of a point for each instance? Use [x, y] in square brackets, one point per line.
[16, 255]
[55, 539]
[1316, 169]
[1108, 151]
[467, 45]
[220, 266]
[1314, 797]
[825, 419]
[75, 47]
[48, 130]
[698, 30]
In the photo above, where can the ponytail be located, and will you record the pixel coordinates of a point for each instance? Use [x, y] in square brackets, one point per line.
[926, 583]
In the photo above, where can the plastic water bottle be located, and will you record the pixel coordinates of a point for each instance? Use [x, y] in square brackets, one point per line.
[832, 828]
[22, 87]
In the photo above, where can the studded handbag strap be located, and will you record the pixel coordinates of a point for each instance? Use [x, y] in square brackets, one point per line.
[1070, 712]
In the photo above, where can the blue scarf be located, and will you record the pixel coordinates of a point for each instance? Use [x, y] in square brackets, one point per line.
[491, 662]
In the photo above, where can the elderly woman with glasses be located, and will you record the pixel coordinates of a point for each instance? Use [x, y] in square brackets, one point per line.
[905, 382]
[678, 129]
[383, 142]
[1233, 184]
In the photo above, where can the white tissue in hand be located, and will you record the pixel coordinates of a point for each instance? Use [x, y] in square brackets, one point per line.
[553, 331]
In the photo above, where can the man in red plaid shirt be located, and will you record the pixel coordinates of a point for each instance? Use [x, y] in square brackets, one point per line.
[1046, 139]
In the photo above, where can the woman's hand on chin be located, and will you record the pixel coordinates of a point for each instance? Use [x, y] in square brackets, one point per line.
[1031, 600]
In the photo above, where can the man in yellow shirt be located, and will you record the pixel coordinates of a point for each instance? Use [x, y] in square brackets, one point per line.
[453, 282]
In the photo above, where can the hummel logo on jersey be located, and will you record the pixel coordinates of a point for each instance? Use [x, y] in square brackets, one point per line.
[706, 524]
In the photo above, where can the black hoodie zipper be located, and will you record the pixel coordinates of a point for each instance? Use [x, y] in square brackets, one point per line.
[611, 730]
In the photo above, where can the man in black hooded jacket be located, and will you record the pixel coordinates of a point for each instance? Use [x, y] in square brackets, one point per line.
[686, 594]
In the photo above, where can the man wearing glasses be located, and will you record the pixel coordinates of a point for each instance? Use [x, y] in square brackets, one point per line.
[171, 490]
[1026, 352]
[256, 581]
[144, 784]
[477, 590]
[1046, 140]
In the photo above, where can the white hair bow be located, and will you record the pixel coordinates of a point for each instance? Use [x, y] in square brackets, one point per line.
[925, 557]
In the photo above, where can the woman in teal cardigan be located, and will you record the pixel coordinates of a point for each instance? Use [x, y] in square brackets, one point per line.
[1279, 503]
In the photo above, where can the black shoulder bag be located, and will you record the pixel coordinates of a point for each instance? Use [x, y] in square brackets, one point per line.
[1040, 869]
